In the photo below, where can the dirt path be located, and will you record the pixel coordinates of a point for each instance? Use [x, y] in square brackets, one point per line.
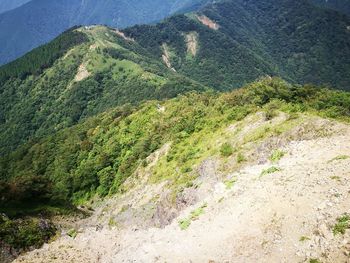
[285, 216]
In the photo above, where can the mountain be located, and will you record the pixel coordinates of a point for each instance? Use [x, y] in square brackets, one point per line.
[342, 6]
[81, 73]
[224, 46]
[167, 163]
[6, 5]
[39, 21]
[292, 39]
[149, 128]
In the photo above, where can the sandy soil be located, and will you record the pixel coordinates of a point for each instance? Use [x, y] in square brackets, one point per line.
[208, 22]
[122, 35]
[166, 57]
[82, 73]
[192, 43]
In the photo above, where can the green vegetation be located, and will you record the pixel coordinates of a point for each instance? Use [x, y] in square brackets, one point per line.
[239, 52]
[241, 158]
[270, 170]
[314, 260]
[304, 238]
[336, 178]
[226, 150]
[343, 223]
[195, 214]
[80, 115]
[96, 156]
[72, 233]
[184, 223]
[25, 233]
[119, 73]
[340, 157]
[229, 183]
[276, 155]
[36, 61]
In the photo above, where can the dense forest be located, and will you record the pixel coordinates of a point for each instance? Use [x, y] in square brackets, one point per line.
[45, 96]
[291, 39]
[97, 155]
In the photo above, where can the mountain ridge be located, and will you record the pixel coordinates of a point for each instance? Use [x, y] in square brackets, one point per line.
[7, 5]
[110, 139]
[179, 54]
[39, 21]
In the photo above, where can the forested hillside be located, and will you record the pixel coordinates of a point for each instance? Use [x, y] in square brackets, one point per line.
[171, 113]
[79, 74]
[292, 39]
[226, 45]
[97, 155]
[95, 158]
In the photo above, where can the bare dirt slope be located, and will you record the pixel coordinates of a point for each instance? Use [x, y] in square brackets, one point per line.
[285, 214]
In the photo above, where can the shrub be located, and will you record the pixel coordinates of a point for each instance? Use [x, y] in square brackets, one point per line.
[276, 155]
[229, 183]
[240, 158]
[25, 233]
[226, 150]
[343, 223]
[270, 170]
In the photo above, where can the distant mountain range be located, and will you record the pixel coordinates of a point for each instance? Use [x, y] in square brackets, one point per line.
[6, 5]
[39, 21]
[342, 6]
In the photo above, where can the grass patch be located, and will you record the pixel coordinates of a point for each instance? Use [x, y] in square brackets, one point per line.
[112, 222]
[339, 157]
[72, 233]
[276, 155]
[336, 178]
[229, 183]
[314, 260]
[195, 214]
[241, 158]
[226, 150]
[270, 170]
[304, 238]
[258, 134]
[343, 223]
[184, 223]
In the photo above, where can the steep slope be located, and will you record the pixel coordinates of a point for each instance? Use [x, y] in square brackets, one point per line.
[231, 216]
[242, 39]
[342, 6]
[6, 5]
[40, 21]
[199, 161]
[83, 72]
